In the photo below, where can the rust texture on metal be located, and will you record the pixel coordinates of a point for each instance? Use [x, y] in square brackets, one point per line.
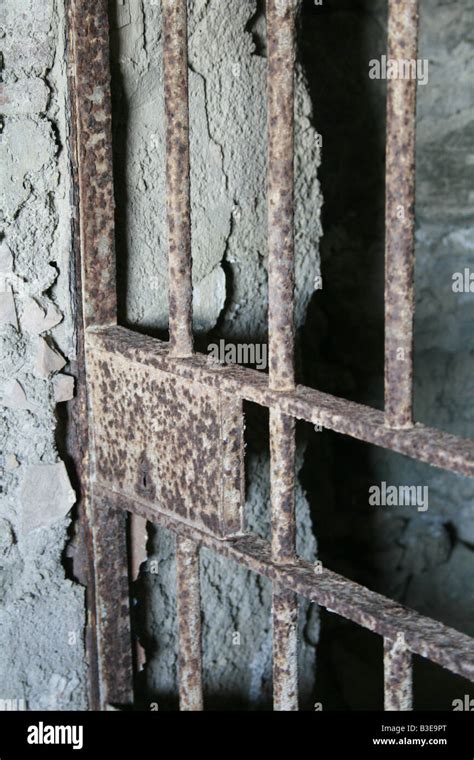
[175, 65]
[280, 192]
[285, 649]
[89, 79]
[398, 675]
[400, 217]
[113, 610]
[425, 444]
[423, 636]
[282, 486]
[189, 624]
[108, 639]
[176, 444]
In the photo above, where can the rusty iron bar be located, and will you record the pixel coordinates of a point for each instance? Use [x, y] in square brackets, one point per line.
[189, 624]
[285, 649]
[424, 444]
[398, 675]
[400, 218]
[109, 529]
[108, 634]
[178, 199]
[423, 636]
[280, 191]
[89, 81]
[280, 218]
[282, 486]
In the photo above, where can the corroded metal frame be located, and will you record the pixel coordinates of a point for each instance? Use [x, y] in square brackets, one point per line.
[404, 631]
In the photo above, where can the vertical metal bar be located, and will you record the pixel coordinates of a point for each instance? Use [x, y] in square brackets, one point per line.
[280, 217]
[90, 85]
[175, 64]
[398, 675]
[282, 486]
[285, 650]
[400, 217]
[189, 624]
[280, 192]
[91, 127]
[113, 612]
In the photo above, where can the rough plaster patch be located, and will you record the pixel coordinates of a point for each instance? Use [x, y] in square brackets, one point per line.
[46, 495]
[36, 319]
[7, 308]
[48, 360]
[26, 96]
[63, 388]
[22, 169]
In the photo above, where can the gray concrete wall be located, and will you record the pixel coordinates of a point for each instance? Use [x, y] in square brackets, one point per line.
[42, 613]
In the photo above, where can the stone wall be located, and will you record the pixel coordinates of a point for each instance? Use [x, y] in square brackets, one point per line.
[42, 612]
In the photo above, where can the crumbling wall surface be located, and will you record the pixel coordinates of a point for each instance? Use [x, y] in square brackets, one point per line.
[42, 614]
[227, 74]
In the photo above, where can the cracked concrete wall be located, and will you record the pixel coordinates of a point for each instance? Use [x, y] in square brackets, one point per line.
[228, 178]
[42, 612]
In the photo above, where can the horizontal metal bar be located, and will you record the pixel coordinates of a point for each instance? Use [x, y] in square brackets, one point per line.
[422, 635]
[346, 417]
[400, 218]
[398, 675]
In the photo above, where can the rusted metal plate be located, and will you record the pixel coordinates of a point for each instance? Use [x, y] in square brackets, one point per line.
[361, 422]
[165, 441]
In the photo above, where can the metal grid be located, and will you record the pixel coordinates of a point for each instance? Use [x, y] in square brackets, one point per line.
[404, 631]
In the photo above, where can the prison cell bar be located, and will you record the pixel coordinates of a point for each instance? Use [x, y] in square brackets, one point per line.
[398, 675]
[280, 211]
[422, 636]
[175, 69]
[189, 623]
[176, 86]
[108, 638]
[400, 217]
